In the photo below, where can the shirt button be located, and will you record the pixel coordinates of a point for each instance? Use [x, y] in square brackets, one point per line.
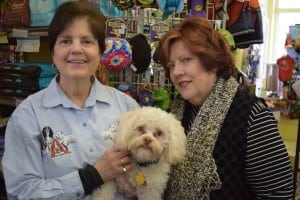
[84, 124]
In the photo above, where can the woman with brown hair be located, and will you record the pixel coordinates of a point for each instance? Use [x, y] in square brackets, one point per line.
[58, 141]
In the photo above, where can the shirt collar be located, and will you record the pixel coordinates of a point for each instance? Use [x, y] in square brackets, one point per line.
[54, 96]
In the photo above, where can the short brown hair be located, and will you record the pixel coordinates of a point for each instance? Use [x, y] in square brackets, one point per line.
[67, 12]
[202, 39]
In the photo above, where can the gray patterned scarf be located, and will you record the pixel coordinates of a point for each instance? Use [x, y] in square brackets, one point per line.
[197, 175]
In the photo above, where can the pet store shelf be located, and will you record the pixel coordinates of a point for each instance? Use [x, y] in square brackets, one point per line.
[28, 32]
[10, 101]
[3, 121]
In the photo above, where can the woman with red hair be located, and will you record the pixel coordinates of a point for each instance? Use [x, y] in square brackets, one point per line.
[234, 150]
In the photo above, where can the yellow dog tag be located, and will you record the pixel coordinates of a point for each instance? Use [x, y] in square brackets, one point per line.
[140, 179]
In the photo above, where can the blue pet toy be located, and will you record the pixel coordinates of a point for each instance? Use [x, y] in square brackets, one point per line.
[170, 6]
[108, 9]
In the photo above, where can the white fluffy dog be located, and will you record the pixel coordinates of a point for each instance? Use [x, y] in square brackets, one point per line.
[156, 141]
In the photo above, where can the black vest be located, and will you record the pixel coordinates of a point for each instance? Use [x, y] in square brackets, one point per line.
[230, 150]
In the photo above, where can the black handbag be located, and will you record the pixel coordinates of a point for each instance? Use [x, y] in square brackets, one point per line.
[247, 27]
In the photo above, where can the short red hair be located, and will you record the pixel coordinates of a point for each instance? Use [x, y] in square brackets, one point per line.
[202, 39]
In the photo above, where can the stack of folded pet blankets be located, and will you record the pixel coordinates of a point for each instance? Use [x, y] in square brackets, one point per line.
[23, 79]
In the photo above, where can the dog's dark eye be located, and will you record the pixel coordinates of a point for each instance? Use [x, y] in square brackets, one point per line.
[141, 129]
[158, 133]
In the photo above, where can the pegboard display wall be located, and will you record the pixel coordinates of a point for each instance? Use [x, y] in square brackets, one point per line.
[149, 22]
[128, 80]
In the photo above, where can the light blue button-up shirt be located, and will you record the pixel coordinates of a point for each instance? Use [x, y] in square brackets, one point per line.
[37, 167]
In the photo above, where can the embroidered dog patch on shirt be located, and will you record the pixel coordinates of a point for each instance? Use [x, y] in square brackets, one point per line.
[55, 144]
[110, 134]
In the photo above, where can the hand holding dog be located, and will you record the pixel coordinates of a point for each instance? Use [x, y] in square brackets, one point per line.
[126, 187]
[113, 163]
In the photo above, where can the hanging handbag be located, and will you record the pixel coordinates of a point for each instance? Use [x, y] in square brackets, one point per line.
[256, 37]
[240, 18]
[245, 22]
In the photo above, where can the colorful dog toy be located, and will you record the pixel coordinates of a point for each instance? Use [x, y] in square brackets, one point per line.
[161, 98]
[117, 55]
[197, 8]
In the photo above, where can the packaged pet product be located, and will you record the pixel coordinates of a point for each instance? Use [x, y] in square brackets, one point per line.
[41, 12]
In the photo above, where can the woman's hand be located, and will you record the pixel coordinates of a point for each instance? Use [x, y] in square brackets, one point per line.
[113, 163]
[126, 186]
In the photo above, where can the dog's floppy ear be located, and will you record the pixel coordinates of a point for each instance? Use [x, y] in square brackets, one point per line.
[177, 142]
[126, 123]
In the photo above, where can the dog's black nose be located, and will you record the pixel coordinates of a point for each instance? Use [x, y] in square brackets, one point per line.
[147, 140]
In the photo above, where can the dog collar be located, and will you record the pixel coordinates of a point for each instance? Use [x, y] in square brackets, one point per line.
[147, 164]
